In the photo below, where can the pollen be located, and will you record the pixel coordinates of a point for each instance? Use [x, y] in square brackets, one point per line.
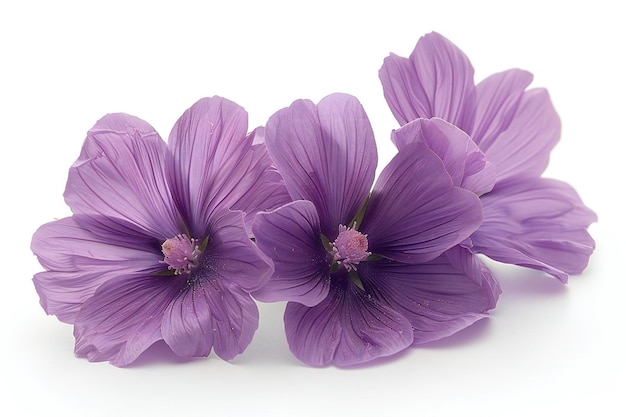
[181, 254]
[350, 248]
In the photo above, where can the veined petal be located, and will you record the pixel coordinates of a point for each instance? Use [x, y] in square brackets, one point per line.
[524, 148]
[538, 223]
[439, 297]
[348, 327]
[119, 176]
[78, 261]
[436, 81]
[326, 154]
[290, 236]
[497, 101]
[123, 318]
[211, 165]
[465, 163]
[415, 213]
[210, 314]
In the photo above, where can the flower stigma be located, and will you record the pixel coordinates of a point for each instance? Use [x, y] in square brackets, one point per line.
[350, 247]
[181, 254]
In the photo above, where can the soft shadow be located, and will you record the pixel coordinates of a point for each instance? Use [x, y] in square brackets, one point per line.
[520, 282]
[159, 354]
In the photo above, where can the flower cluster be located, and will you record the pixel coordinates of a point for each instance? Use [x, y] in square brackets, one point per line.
[175, 241]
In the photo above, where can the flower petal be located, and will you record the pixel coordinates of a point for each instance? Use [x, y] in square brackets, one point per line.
[439, 297]
[77, 262]
[497, 101]
[524, 148]
[326, 154]
[123, 318]
[467, 165]
[210, 313]
[437, 80]
[538, 223]
[212, 164]
[347, 328]
[119, 176]
[414, 213]
[291, 237]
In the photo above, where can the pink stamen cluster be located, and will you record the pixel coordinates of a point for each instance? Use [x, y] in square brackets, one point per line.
[181, 253]
[350, 248]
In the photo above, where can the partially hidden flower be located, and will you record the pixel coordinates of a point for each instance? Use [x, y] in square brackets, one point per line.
[528, 220]
[156, 248]
[367, 271]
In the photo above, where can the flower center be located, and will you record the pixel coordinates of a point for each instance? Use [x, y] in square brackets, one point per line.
[349, 248]
[181, 254]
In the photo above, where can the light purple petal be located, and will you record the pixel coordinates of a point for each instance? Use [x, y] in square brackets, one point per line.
[123, 318]
[497, 101]
[119, 176]
[524, 148]
[538, 223]
[347, 328]
[77, 262]
[437, 80]
[290, 236]
[326, 154]
[212, 164]
[269, 191]
[439, 297]
[210, 313]
[414, 213]
[463, 160]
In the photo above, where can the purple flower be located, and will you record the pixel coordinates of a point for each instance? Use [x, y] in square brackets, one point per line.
[153, 250]
[528, 220]
[366, 274]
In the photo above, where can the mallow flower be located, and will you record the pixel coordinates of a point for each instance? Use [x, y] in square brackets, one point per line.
[156, 248]
[366, 271]
[528, 220]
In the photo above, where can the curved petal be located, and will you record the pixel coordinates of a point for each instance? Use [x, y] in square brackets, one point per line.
[437, 80]
[524, 148]
[290, 236]
[210, 313]
[119, 176]
[439, 297]
[465, 163]
[212, 164]
[123, 318]
[77, 262]
[347, 328]
[497, 101]
[414, 213]
[268, 192]
[538, 223]
[326, 154]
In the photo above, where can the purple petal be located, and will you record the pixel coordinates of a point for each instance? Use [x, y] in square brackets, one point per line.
[461, 157]
[347, 328]
[538, 223]
[212, 164]
[436, 81]
[119, 176]
[414, 213]
[123, 318]
[210, 314]
[326, 154]
[77, 262]
[268, 191]
[439, 297]
[524, 148]
[497, 101]
[290, 236]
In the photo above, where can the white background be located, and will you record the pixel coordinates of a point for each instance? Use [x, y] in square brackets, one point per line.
[547, 349]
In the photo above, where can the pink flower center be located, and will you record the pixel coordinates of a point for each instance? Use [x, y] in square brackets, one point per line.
[350, 248]
[181, 254]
